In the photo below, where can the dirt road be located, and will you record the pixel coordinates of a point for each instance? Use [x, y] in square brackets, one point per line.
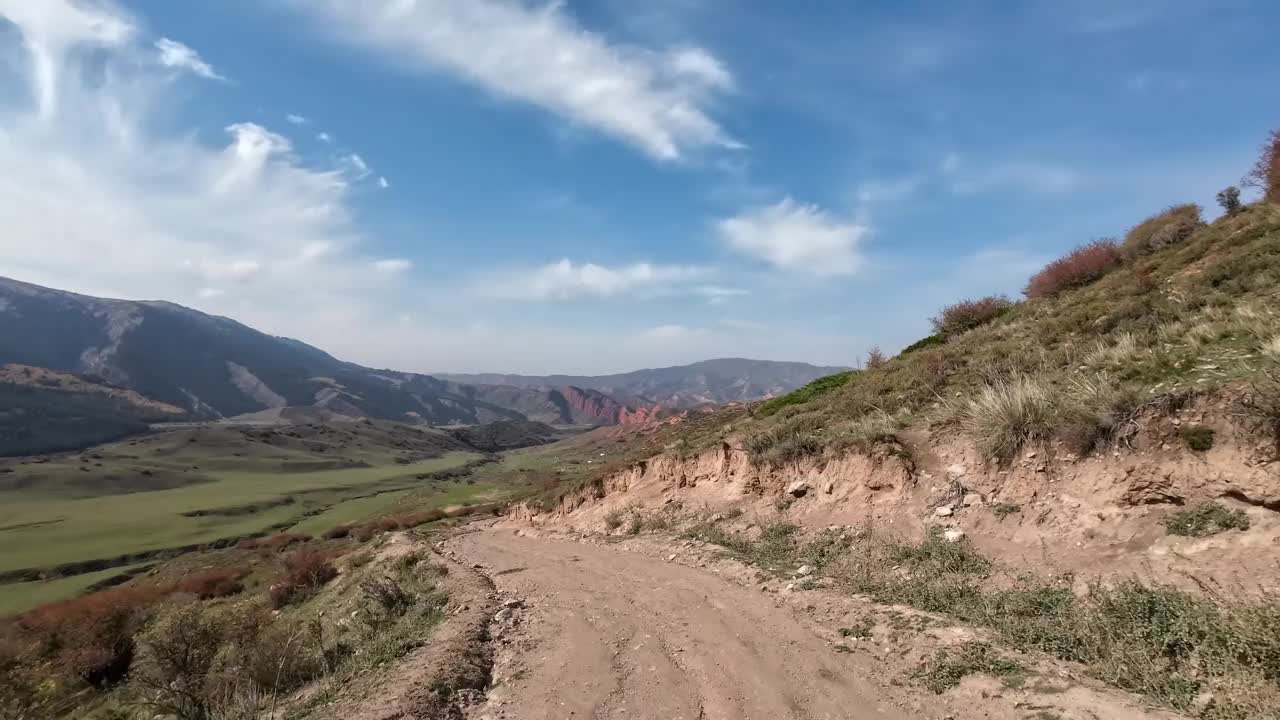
[614, 634]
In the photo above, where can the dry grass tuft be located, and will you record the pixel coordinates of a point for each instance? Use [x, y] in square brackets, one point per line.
[1170, 227]
[1007, 415]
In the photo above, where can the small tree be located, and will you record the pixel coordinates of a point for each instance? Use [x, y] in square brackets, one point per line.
[1229, 199]
[1266, 173]
[876, 358]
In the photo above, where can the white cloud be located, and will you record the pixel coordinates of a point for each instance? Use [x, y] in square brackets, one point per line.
[383, 182]
[566, 280]
[392, 265]
[670, 333]
[324, 137]
[174, 54]
[658, 101]
[359, 168]
[50, 28]
[295, 119]
[240, 227]
[796, 237]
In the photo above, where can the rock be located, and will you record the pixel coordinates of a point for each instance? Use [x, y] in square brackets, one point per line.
[829, 488]
[513, 603]
[972, 499]
[957, 471]
[944, 511]
[671, 557]
[1203, 702]
[1031, 455]
[798, 488]
[953, 535]
[805, 570]
[790, 587]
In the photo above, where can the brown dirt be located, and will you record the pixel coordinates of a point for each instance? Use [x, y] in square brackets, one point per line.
[653, 628]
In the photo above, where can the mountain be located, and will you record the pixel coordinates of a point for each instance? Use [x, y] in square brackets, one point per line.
[682, 386]
[207, 367]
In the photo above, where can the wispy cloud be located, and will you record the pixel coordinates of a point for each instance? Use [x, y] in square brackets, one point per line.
[1033, 176]
[659, 101]
[796, 237]
[567, 280]
[295, 119]
[241, 225]
[174, 54]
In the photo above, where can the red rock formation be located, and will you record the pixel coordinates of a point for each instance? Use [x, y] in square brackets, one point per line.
[594, 407]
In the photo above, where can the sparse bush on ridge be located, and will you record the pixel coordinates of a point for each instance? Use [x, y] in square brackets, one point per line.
[211, 584]
[1229, 200]
[876, 358]
[1096, 411]
[1169, 227]
[969, 314]
[794, 440]
[1266, 173]
[1076, 269]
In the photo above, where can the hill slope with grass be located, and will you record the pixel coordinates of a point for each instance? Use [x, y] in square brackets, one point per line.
[1092, 472]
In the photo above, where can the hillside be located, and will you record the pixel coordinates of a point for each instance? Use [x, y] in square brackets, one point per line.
[1089, 474]
[683, 386]
[210, 368]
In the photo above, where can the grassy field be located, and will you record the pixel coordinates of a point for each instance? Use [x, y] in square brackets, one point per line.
[19, 597]
[45, 532]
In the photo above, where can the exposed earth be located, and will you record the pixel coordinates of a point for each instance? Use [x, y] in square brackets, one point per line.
[653, 628]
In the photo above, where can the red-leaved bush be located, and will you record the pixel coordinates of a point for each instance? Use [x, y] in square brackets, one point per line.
[1266, 173]
[91, 637]
[1076, 269]
[305, 570]
[969, 314]
[211, 584]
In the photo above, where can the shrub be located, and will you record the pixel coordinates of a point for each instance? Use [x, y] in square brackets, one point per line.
[1207, 519]
[212, 583]
[969, 314]
[91, 637]
[876, 358]
[1266, 173]
[305, 571]
[179, 652]
[1169, 227]
[1007, 415]
[1198, 437]
[1076, 269]
[1003, 510]
[337, 533]
[279, 541]
[1229, 200]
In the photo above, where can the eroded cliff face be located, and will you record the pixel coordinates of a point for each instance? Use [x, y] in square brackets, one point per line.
[594, 407]
[1046, 510]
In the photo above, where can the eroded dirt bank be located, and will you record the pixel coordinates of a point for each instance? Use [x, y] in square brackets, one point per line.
[649, 628]
[1047, 510]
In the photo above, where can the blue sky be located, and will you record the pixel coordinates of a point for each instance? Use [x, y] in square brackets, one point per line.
[596, 186]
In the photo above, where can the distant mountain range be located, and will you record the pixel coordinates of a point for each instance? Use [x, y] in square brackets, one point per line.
[120, 364]
[707, 382]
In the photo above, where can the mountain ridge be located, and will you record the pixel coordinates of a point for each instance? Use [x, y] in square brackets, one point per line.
[215, 368]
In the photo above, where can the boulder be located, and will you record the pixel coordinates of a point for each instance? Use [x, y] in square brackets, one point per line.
[972, 499]
[957, 471]
[944, 511]
[805, 570]
[953, 535]
[798, 488]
